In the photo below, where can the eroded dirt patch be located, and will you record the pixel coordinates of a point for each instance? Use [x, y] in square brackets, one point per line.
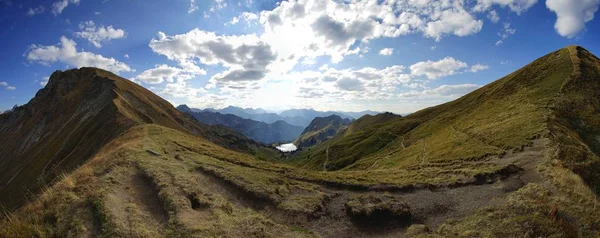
[133, 204]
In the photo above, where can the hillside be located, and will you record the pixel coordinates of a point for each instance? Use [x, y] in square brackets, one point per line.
[515, 158]
[320, 130]
[73, 117]
[259, 131]
[552, 101]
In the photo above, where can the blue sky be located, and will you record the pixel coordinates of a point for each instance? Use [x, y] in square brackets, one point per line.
[398, 56]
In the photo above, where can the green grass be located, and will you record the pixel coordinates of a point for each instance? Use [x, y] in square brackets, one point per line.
[195, 181]
[502, 116]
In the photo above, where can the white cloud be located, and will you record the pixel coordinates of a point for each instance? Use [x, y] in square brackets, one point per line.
[59, 6]
[97, 13]
[442, 91]
[248, 17]
[364, 83]
[572, 15]
[309, 31]
[517, 6]
[193, 6]
[162, 73]
[6, 86]
[455, 21]
[358, 51]
[44, 81]
[246, 57]
[350, 84]
[126, 56]
[66, 52]
[478, 67]
[181, 89]
[437, 69]
[313, 28]
[97, 35]
[386, 51]
[493, 16]
[37, 10]
[505, 32]
[217, 4]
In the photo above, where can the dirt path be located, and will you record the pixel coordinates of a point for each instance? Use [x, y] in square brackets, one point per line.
[134, 205]
[433, 207]
[402, 143]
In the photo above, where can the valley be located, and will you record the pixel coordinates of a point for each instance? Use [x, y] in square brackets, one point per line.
[517, 157]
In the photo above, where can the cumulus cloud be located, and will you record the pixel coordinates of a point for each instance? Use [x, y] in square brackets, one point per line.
[572, 15]
[363, 83]
[246, 56]
[98, 35]
[126, 56]
[381, 83]
[442, 91]
[6, 86]
[517, 6]
[437, 69]
[247, 17]
[59, 6]
[350, 84]
[313, 28]
[163, 72]
[66, 52]
[478, 67]
[159, 74]
[455, 21]
[339, 34]
[493, 16]
[308, 31]
[181, 89]
[505, 33]
[386, 51]
[37, 10]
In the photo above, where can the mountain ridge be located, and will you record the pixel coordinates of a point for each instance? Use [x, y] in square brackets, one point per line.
[321, 129]
[91, 107]
[278, 131]
[516, 157]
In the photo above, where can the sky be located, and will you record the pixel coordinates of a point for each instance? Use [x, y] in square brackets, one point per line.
[384, 55]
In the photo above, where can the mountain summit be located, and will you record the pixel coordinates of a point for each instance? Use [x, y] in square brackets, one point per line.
[517, 157]
[76, 114]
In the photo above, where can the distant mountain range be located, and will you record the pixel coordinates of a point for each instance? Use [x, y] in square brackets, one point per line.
[96, 155]
[297, 117]
[278, 131]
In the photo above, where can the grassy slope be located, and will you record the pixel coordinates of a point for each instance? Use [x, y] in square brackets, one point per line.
[554, 97]
[501, 116]
[82, 203]
[319, 130]
[75, 115]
